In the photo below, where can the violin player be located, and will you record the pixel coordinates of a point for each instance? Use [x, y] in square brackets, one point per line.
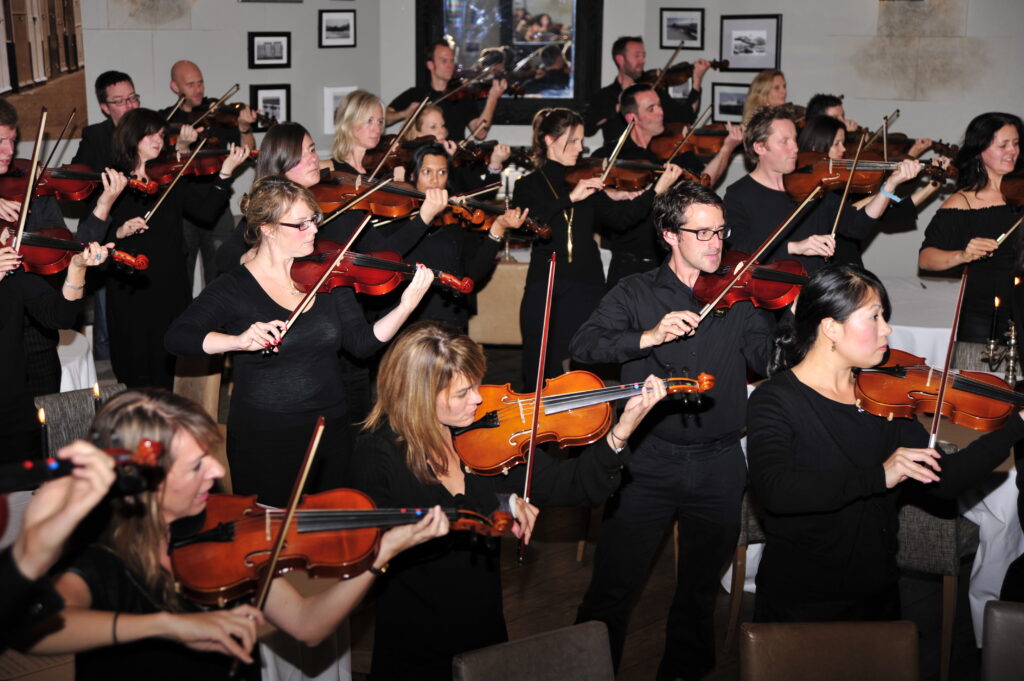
[830, 105]
[767, 89]
[116, 95]
[122, 616]
[459, 112]
[636, 248]
[602, 112]
[277, 399]
[204, 237]
[429, 383]
[758, 203]
[687, 460]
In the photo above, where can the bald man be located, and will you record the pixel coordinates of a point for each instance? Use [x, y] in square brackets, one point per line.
[204, 237]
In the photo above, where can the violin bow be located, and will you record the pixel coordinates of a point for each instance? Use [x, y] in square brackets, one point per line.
[696, 124]
[668, 64]
[267, 577]
[846, 189]
[213, 107]
[618, 148]
[33, 178]
[398, 137]
[1002, 237]
[56, 142]
[456, 200]
[883, 131]
[181, 171]
[740, 270]
[359, 197]
[483, 74]
[307, 300]
[174, 109]
[933, 432]
[538, 399]
[472, 133]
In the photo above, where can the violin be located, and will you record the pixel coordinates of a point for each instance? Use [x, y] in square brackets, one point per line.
[70, 182]
[903, 386]
[338, 188]
[480, 152]
[136, 471]
[374, 273]
[897, 144]
[706, 140]
[814, 169]
[771, 286]
[577, 411]
[626, 175]
[478, 90]
[1012, 187]
[50, 250]
[677, 74]
[164, 169]
[335, 534]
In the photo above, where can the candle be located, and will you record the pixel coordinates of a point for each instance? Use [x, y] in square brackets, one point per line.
[995, 319]
[96, 401]
[44, 444]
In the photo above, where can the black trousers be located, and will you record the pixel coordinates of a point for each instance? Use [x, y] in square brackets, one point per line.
[702, 485]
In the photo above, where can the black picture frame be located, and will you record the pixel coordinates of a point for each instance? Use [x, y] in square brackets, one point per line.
[586, 58]
[263, 41]
[751, 42]
[670, 36]
[258, 100]
[324, 40]
[728, 91]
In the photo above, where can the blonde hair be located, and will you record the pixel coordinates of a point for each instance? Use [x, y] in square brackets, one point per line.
[415, 128]
[757, 95]
[350, 112]
[423, 361]
[136, 528]
[267, 202]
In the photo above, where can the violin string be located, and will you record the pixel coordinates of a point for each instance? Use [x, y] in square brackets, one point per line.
[525, 405]
[973, 385]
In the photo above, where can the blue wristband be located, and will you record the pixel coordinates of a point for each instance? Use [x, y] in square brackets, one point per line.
[891, 197]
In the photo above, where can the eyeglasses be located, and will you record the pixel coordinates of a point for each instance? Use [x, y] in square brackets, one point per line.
[134, 99]
[308, 223]
[707, 234]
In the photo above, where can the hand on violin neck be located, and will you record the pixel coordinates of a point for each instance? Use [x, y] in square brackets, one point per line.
[919, 147]
[733, 137]
[114, 183]
[673, 325]
[668, 178]
[510, 219]
[186, 136]
[434, 524]
[907, 462]
[10, 260]
[237, 155]
[436, 201]
[637, 407]
[905, 170]
[584, 188]
[816, 244]
[91, 255]
[10, 210]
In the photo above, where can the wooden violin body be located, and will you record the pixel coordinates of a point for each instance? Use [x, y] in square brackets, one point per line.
[49, 250]
[771, 287]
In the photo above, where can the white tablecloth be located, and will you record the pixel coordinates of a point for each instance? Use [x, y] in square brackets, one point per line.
[922, 315]
[77, 370]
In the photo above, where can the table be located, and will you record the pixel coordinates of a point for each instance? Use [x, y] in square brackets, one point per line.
[77, 369]
[922, 315]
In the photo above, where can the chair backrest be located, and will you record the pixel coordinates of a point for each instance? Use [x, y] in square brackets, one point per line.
[199, 378]
[576, 653]
[69, 414]
[934, 544]
[751, 527]
[1002, 655]
[837, 651]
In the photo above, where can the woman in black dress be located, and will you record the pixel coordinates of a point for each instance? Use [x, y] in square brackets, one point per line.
[964, 230]
[445, 597]
[277, 399]
[123, 616]
[826, 473]
[574, 214]
[142, 305]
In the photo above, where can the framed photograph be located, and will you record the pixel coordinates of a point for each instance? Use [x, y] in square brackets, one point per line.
[727, 100]
[680, 91]
[275, 101]
[270, 50]
[682, 24]
[337, 28]
[751, 42]
[332, 100]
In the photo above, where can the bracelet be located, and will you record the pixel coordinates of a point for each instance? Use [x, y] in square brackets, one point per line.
[624, 442]
[378, 571]
[113, 628]
[73, 287]
[891, 197]
[493, 170]
[223, 176]
[496, 239]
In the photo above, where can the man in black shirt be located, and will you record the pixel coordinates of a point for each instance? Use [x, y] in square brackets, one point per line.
[459, 112]
[602, 112]
[116, 94]
[636, 248]
[687, 459]
[206, 237]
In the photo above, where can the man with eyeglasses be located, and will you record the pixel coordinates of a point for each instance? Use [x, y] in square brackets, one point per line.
[116, 94]
[635, 248]
[687, 462]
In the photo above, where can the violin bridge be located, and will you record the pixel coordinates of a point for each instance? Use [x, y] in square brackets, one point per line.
[266, 527]
[522, 415]
[928, 383]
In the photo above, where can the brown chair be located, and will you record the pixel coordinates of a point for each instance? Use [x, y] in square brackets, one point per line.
[751, 532]
[576, 653]
[69, 414]
[832, 651]
[1002, 655]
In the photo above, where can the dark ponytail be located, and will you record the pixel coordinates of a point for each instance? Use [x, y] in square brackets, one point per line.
[835, 291]
[553, 122]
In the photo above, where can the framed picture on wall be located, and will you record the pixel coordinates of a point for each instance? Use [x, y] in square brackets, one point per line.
[270, 50]
[727, 100]
[337, 28]
[682, 24]
[332, 100]
[751, 42]
[274, 101]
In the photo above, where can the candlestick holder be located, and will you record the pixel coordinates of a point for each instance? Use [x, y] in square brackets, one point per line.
[994, 354]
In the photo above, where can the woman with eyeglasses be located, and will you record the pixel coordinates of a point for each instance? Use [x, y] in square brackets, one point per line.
[278, 397]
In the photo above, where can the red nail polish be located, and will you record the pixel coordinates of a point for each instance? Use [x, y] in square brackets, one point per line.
[267, 345]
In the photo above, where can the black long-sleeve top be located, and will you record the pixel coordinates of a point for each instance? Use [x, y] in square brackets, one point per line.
[453, 583]
[723, 347]
[304, 376]
[96, 146]
[816, 468]
[550, 203]
[602, 111]
[23, 601]
[45, 212]
[753, 212]
[641, 239]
